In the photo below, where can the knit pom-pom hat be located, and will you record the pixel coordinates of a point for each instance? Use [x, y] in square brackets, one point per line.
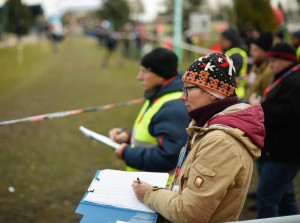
[214, 73]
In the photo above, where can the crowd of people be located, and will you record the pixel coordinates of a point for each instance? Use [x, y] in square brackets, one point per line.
[207, 125]
[130, 40]
[273, 82]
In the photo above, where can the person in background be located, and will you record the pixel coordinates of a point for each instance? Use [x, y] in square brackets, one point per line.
[159, 130]
[262, 77]
[19, 28]
[280, 160]
[296, 43]
[56, 31]
[259, 54]
[278, 37]
[111, 44]
[230, 43]
[215, 166]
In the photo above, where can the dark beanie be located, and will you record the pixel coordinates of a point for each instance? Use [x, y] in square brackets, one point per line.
[232, 35]
[297, 34]
[264, 41]
[162, 62]
[280, 34]
[283, 51]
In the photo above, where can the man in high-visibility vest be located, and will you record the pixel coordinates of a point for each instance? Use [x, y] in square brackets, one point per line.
[296, 43]
[159, 130]
[231, 44]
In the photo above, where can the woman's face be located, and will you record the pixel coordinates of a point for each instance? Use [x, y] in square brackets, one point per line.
[195, 97]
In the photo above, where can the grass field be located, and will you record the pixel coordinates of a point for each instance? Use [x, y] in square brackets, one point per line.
[50, 163]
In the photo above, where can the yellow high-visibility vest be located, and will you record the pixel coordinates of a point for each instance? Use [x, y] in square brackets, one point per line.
[242, 85]
[140, 133]
[298, 53]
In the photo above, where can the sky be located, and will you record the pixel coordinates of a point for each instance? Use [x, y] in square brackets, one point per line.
[51, 6]
[151, 6]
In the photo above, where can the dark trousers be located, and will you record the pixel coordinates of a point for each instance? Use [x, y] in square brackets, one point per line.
[275, 191]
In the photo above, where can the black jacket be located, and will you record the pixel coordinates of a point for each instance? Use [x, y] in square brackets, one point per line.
[282, 120]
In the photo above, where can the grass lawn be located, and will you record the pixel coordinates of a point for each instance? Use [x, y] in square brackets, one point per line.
[50, 163]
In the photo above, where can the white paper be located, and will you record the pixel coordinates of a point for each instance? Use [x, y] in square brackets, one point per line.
[98, 137]
[114, 188]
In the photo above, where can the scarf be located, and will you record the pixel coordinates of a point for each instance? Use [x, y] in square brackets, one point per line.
[203, 114]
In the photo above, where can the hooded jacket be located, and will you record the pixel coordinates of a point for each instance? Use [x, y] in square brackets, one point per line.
[214, 179]
[168, 125]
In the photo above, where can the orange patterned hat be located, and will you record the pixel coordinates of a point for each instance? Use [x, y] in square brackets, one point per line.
[214, 73]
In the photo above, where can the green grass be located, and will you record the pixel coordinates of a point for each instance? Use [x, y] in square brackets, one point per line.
[50, 163]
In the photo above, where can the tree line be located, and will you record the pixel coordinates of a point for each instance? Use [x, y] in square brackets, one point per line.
[251, 12]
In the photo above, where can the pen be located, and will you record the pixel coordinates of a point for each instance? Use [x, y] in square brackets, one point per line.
[138, 179]
[121, 130]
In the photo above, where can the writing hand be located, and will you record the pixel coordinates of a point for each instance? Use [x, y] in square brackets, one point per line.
[119, 138]
[140, 188]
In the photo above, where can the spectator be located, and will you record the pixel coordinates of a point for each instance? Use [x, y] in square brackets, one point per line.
[159, 130]
[259, 53]
[230, 43]
[279, 37]
[280, 160]
[138, 42]
[19, 26]
[296, 42]
[215, 167]
[110, 43]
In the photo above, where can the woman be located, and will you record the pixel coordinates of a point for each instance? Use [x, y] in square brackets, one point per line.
[215, 167]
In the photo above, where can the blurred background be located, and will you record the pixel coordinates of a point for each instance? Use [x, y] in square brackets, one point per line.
[58, 55]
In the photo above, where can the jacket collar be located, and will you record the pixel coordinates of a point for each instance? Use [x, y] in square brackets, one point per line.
[174, 85]
[282, 72]
[203, 114]
[262, 65]
[242, 121]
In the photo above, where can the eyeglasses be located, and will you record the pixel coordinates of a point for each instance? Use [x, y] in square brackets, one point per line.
[185, 90]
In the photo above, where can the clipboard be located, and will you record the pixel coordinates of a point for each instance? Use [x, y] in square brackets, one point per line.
[95, 213]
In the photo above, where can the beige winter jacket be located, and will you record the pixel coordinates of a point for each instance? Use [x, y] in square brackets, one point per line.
[215, 177]
[263, 79]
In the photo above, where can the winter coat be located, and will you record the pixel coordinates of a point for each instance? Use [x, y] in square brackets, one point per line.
[168, 126]
[263, 79]
[215, 177]
[282, 121]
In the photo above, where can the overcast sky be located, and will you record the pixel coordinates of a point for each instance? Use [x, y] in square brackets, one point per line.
[151, 6]
[51, 6]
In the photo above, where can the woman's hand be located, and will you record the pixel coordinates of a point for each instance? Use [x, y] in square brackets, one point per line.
[140, 188]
